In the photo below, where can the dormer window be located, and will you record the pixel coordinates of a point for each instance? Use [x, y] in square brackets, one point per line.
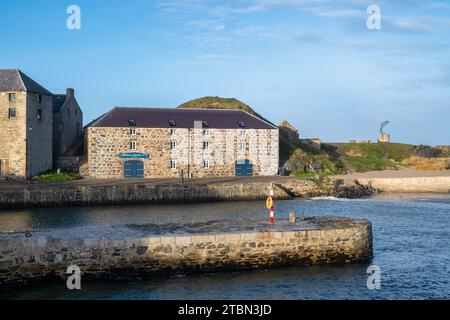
[172, 123]
[132, 122]
[241, 124]
[205, 124]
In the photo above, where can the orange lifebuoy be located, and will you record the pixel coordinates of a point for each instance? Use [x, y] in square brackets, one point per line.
[269, 203]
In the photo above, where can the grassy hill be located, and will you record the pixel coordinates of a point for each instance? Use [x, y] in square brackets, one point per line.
[220, 103]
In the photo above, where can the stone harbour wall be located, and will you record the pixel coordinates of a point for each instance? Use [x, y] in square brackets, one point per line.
[415, 184]
[36, 260]
[149, 193]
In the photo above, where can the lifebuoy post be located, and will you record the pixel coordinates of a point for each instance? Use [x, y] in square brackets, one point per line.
[270, 205]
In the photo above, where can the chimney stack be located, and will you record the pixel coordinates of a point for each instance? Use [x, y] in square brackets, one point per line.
[70, 93]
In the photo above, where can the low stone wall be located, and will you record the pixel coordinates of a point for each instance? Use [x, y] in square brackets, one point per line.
[148, 193]
[37, 259]
[416, 184]
[68, 163]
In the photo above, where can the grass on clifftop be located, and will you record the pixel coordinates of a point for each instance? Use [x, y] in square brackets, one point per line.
[55, 176]
[363, 157]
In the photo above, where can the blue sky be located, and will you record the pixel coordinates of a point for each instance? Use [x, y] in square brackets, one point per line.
[314, 63]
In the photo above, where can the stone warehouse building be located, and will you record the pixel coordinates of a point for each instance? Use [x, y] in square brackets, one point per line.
[162, 143]
[26, 126]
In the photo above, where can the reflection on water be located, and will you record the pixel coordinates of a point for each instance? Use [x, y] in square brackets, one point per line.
[411, 241]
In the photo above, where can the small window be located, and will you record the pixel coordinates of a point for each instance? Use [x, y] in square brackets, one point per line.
[68, 111]
[173, 164]
[76, 110]
[60, 126]
[205, 145]
[133, 131]
[241, 124]
[40, 98]
[39, 114]
[206, 133]
[12, 113]
[132, 122]
[205, 124]
[172, 123]
[206, 164]
[173, 132]
[133, 145]
[242, 133]
[173, 145]
[243, 145]
[12, 97]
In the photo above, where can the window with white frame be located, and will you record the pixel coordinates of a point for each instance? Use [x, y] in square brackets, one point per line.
[243, 145]
[172, 132]
[133, 145]
[133, 131]
[242, 133]
[205, 145]
[173, 145]
[206, 164]
[173, 164]
[206, 133]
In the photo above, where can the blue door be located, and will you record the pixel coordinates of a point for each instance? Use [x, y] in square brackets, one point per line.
[244, 168]
[134, 169]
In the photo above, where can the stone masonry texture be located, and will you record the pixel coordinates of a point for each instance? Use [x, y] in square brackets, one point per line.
[226, 147]
[26, 140]
[37, 259]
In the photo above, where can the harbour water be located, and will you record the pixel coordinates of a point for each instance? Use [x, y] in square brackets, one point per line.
[411, 248]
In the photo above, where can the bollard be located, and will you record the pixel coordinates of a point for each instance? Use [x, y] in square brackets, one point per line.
[292, 217]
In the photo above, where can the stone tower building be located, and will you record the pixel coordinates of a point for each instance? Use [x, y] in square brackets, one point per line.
[26, 122]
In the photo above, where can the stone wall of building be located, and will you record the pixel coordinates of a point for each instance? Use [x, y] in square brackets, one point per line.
[332, 240]
[39, 133]
[67, 125]
[12, 135]
[26, 141]
[226, 147]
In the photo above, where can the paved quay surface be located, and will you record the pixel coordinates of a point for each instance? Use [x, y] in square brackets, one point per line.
[114, 232]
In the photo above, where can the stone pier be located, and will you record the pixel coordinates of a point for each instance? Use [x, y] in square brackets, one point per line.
[130, 252]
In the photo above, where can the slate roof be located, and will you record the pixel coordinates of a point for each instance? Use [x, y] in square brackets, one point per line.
[184, 118]
[58, 102]
[16, 80]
